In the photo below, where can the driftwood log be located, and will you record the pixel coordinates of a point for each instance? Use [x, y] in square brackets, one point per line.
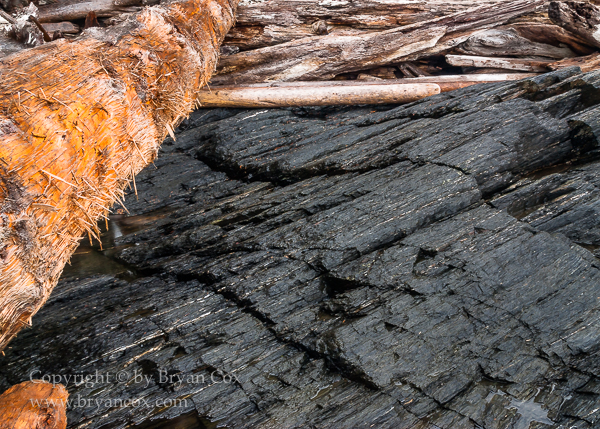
[508, 42]
[326, 94]
[280, 94]
[34, 405]
[307, 31]
[271, 22]
[71, 142]
[264, 23]
[323, 57]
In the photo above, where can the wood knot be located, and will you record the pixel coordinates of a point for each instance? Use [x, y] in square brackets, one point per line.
[320, 28]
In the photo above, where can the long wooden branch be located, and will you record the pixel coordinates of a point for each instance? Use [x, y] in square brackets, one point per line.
[78, 120]
[323, 57]
[508, 42]
[281, 94]
[317, 95]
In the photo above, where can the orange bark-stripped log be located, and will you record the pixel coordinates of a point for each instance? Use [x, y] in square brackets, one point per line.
[34, 404]
[77, 121]
[320, 93]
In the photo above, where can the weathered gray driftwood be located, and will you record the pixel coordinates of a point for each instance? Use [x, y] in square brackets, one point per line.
[323, 57]
[507, 42]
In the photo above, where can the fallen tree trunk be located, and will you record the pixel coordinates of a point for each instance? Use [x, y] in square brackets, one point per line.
[322, 93]
[323, 57]
[34, 405]
[72, 141]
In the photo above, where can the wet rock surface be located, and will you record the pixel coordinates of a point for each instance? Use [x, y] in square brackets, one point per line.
[434, 265]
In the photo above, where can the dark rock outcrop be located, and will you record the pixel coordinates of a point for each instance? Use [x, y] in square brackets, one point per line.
[434, 265]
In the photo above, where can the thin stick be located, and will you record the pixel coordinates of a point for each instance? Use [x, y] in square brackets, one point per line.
[40, 27]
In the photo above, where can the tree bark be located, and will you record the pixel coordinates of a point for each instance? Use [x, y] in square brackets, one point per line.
[323, 57]
[71, 141]
[34, 405]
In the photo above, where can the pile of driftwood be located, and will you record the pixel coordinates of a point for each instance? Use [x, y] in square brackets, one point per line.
[376, 42]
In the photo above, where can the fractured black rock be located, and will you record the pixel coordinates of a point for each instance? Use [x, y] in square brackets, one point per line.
[421, 266]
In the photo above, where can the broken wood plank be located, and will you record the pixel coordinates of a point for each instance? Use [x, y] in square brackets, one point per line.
[34, 404]
[318, 95]
[582, 19]
[323, 57]
[519, 64]
[78, 120]
[508, 42]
